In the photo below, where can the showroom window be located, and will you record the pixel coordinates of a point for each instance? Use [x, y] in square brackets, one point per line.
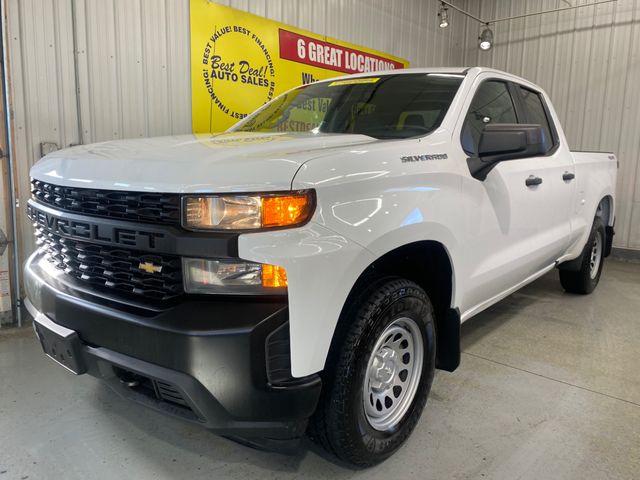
[492, 103]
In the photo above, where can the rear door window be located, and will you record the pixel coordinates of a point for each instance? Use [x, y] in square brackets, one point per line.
[535, 112]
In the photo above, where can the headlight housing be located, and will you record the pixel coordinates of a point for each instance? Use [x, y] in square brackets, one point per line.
[232, 277]
[247, 211]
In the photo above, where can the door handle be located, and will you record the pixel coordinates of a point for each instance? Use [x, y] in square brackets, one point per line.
[568, 176]
[532, 181]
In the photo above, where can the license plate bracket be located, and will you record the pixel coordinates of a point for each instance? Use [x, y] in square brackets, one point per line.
[61, 344]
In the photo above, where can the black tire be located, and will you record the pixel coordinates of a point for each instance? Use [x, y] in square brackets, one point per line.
[585, 280]
[340, 423]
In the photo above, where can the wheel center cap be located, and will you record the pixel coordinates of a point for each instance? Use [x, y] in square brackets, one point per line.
[384, 367]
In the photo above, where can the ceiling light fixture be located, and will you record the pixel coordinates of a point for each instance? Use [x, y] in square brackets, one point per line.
[485, 40]
[443, 13]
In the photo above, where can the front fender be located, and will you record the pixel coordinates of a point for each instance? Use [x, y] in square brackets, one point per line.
[322, 267]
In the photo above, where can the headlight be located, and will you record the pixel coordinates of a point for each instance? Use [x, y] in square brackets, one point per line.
[247, 212]
[232, 277]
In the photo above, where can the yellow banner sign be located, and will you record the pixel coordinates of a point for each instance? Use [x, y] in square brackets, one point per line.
[240, 61]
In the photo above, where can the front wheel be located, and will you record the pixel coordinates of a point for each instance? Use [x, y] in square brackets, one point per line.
[379, 375]
[585, 280]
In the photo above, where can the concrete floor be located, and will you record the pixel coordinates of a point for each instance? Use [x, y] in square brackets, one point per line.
[549, 388]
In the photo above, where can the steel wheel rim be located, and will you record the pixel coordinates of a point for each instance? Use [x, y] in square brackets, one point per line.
[596, 256]
[393, 374]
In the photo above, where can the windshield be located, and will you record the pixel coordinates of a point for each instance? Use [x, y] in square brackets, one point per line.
[388, 106]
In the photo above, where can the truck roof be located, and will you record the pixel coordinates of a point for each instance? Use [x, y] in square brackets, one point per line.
[440, 70]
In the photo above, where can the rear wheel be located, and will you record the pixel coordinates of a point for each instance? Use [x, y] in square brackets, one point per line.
[585, 280]
[378, 377]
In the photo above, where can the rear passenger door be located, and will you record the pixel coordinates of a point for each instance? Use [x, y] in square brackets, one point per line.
[556, 170]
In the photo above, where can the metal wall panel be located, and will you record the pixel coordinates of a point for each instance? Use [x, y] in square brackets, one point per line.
[588, 60]
[42, 91]
[133, 63]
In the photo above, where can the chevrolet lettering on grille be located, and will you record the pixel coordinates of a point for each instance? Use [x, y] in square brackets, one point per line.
[85, 230]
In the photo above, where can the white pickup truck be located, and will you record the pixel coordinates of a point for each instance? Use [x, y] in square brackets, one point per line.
[307, 270]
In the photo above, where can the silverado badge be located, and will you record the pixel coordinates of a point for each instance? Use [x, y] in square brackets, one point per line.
[149, 267]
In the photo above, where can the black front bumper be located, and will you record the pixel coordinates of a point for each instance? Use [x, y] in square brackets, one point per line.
[209, 361]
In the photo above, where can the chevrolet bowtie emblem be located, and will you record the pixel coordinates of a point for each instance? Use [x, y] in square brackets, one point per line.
[149, 267]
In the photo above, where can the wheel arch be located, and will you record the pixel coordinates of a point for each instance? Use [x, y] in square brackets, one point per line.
[428, 264]
[605, 209]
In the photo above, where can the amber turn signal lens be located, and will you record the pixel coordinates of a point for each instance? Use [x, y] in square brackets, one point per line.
[247, 212]
[273, 276]
[283, 210]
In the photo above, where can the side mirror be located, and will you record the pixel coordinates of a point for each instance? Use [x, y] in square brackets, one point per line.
[506, 141]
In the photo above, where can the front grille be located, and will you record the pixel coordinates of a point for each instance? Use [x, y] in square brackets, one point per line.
[113, 268]
[163, 208]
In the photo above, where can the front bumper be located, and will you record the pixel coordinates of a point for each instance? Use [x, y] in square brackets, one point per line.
[208, 360]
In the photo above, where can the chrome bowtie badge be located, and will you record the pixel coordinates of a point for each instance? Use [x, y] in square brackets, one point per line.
[149, 267]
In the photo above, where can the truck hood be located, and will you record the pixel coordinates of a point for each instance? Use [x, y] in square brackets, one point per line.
[228, 162]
